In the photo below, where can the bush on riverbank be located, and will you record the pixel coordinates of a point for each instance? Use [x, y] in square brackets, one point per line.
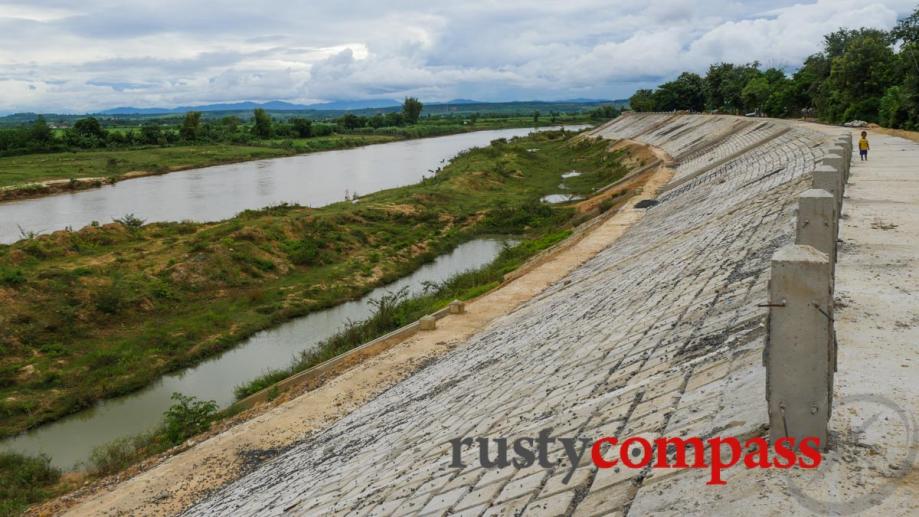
[24, 480]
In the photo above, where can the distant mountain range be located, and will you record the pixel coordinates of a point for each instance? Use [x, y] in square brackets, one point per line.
[339, 105]
[247, 106]
[326, 110]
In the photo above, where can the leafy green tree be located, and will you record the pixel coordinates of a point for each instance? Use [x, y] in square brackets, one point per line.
[712, 85]
[642, 100]
[755, 94]
[536, 117]
[893, 108]
[191, 126]
[151, 133]
[89, 127]
[686, 92]
[860, 76]
[40, 133]
[411, 110]
[351, 121]
[807, 82]
[907, 29]
[604, 112]
[262, 123]
[230, 123]
[302, 126]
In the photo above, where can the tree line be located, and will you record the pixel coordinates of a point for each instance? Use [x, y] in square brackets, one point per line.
[90, 133]
[861, 74]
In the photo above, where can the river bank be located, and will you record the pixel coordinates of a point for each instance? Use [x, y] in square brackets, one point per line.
[38, 175]
[223, 191]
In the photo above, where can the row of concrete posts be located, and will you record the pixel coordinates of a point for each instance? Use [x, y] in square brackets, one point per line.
[800, 356]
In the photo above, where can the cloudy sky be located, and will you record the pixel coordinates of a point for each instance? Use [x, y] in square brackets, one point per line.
[63, 56]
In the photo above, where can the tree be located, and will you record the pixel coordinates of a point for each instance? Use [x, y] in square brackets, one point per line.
[808, 81]
[302, 127]
[411, 110]
[40, 133]
[713, 83]
[351, 121]
[262, 126]
[755, 93]
[191, 126]
[150, 133]
[604, 112]
[860, 76]
[230, 123]
[89, 127]
[686, 92]
[642, 100]
[893, 109]
[536, 117]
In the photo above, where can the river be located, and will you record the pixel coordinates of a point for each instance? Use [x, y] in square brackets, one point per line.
[219, 192]
[70, 440]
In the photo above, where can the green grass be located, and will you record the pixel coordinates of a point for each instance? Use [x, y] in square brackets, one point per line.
[105, 310]
[32, 168]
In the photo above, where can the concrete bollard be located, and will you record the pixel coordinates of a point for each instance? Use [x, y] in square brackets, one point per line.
[828, 178]
[818, 223]
[798, 356]
[836, 158]
[457, 307]
[427, 323]
[846, 142]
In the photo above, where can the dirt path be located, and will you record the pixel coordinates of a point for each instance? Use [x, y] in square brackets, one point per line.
[173, 483]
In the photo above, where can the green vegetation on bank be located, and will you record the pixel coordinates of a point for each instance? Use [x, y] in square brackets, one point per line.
[397, 309]
[91, 148]
[107, 309]
[863, 74]
[31, 480]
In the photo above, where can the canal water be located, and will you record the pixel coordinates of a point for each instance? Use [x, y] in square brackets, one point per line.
[219, 192]
[70, 441]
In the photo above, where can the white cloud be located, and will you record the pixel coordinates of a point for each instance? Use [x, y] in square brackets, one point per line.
[60, 55]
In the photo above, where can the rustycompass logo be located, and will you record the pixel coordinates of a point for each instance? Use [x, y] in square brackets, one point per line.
[717, 454]
[847, 483]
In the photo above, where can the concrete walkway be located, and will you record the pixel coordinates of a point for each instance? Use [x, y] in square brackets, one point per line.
[872, 467]
[877, 326]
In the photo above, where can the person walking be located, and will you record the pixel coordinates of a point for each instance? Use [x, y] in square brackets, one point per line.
[863, 146]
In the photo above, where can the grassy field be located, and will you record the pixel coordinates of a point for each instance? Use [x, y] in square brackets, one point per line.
[107, 309]
[113, 164]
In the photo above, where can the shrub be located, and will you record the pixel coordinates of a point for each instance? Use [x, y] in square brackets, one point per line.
[114, 457]
[131, 222]
[24, 480]
[188, 416]
[305, 252]
[12, 276]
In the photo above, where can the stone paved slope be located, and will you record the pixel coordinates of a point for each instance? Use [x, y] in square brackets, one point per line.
[659, 333]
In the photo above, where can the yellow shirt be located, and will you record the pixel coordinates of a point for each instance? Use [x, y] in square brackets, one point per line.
[863, 144]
